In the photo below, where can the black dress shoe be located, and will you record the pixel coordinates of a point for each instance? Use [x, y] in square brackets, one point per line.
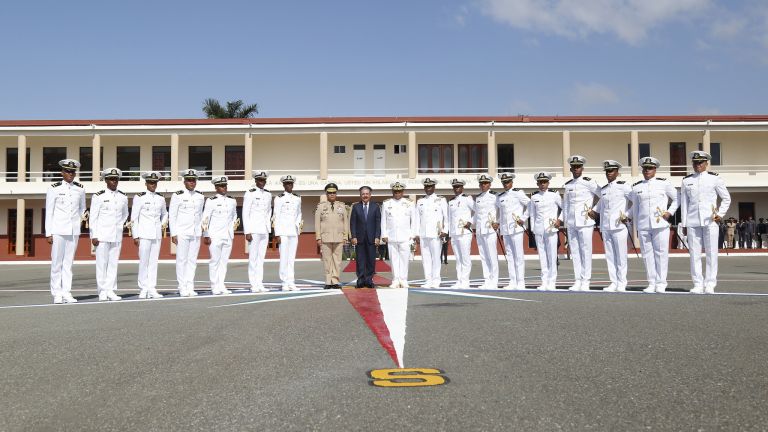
[327, 287]
[336, 286]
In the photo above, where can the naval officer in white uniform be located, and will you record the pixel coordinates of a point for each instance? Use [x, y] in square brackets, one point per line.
[579, 195]
[513, 211]
[64, 211]
[700, 217]
[185, 219]
[109, 211]
[486, 222]
[613, 211]
[219, 220]
[149, 218]
[654, 201]
[544, 211]
[460, 214]
[397, 231]
[288, 224]
[257, 224]
[431, 215]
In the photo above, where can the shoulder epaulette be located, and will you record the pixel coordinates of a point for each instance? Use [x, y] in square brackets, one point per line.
[587, 179]
[252, 190]
[637, 183]
[713, 173]
[281, 194]
[77, 184]
[550, 190]
[179, 192]
[296, 194]
[121, 191]
[603, 187]
[689, 175]
[464, 195]
[620, 182]
[661, 178]
[213, 197]
[57, 184]
[100, 192]
[230, 197]
[516, 189]
[197, 191]
[141, 194]
[569, 181]
[493, 192]
[266, 190]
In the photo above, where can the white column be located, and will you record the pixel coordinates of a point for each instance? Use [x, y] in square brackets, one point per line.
[96, 155]
[323, 155]
[22, 158]
[248, 167]
[20, 216]
[706, 141]
[413, 154]
[174, 158]
[566, 153]
[634, 152]
[493, 165]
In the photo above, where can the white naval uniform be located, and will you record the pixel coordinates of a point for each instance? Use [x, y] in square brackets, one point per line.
[578, 198]
[543, 210]
[148, 215]
[219, 217]
[257, 215]
[431, 215]
[612, 205]
[109, 211]
[650, 200]
[185, 219]
[64, 209]
[460, 212]
[485, 213]
[513, 206]
[698, 199]
[287, 222]
[398, 228]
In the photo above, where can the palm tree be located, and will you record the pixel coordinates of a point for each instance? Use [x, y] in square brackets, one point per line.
[235, 109]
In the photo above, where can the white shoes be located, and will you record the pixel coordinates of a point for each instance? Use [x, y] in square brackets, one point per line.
[153, 294]
[709, 290]
[610, 288]
[520, 287]
[403, 284]
[111, 296]
[57, 299]
[650, 289]
[542, 288]
[395, 284]
[575, 287]
[585, 285]
[661, 289]
[510, 287]
[68, 298]
[551, 287]
[258, 289]
[697, 290]
[143, 294]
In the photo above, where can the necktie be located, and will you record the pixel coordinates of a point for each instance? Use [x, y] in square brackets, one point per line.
[365, 210]
[331, 206]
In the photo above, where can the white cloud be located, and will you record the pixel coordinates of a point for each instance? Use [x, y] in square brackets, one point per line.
[629, 20]
[730, 28]
[593, 95]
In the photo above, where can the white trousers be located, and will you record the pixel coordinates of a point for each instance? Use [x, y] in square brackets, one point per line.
[107, 256]
[489, 257]
[288, 245]
[513, 249]
[257, 250]
[399, 253]
[430, 259]
[62, 255]
[580, 246]
[705, 237]
[547, 246]
[615, 242]
[186, 262]
[462, 245]
[149, 251]
[217, 266]
[654, 244]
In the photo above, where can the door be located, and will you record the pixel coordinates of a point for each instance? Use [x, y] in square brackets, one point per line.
[379, 159]
[359, 155]
[677, 162]
[234, 162]
[746, 209]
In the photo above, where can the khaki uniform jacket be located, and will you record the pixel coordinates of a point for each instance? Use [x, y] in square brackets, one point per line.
[331, 224]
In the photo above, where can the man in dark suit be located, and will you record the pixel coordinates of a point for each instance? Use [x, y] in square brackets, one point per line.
[365, 229]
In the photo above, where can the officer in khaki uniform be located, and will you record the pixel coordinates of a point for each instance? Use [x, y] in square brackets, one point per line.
[331, 232]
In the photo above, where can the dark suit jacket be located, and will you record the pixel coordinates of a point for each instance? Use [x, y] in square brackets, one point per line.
[365, 230]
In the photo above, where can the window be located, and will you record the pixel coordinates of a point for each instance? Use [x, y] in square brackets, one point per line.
[201, 159]
[399, 148]
[379, 146]
[86, 163]
[435, 158]
[129, 161]
[644, 150]
[29, 243]
[506, 157]
[473, 158]
[359, 147]
[234, 162]
[714, 150]
[51, 158]
[12, 164]
[338, 149]
[161, 158]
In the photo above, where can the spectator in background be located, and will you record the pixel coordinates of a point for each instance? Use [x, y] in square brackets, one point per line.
[762, 229]
[751, 232]
[721, 234]
[742, 230]
[730, 233]
[444, 250]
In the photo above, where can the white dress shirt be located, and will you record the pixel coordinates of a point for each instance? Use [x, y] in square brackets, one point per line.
[460, 211]
[64, 208]
[698, 198]
[650, 200]
[485, 212]
[431, 216]
[543, 209]
[148, 214]
[257, 211]
[109, 211]
[397, 220]
[287, 214]
[185, 214]
[219, 216]
[578, 199]
[613, 204]
[513, 205]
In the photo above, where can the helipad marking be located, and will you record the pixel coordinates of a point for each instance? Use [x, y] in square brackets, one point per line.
[466, 294]
[412, 377]
[394, 305]
[286, 297]
[366, 302]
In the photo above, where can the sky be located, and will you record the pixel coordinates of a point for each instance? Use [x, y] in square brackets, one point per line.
[161, 59]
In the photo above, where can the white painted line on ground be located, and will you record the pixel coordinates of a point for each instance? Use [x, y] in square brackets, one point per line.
[294, 297]
[466, 294]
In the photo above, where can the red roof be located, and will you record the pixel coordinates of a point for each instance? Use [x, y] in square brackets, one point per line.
[337, 120]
